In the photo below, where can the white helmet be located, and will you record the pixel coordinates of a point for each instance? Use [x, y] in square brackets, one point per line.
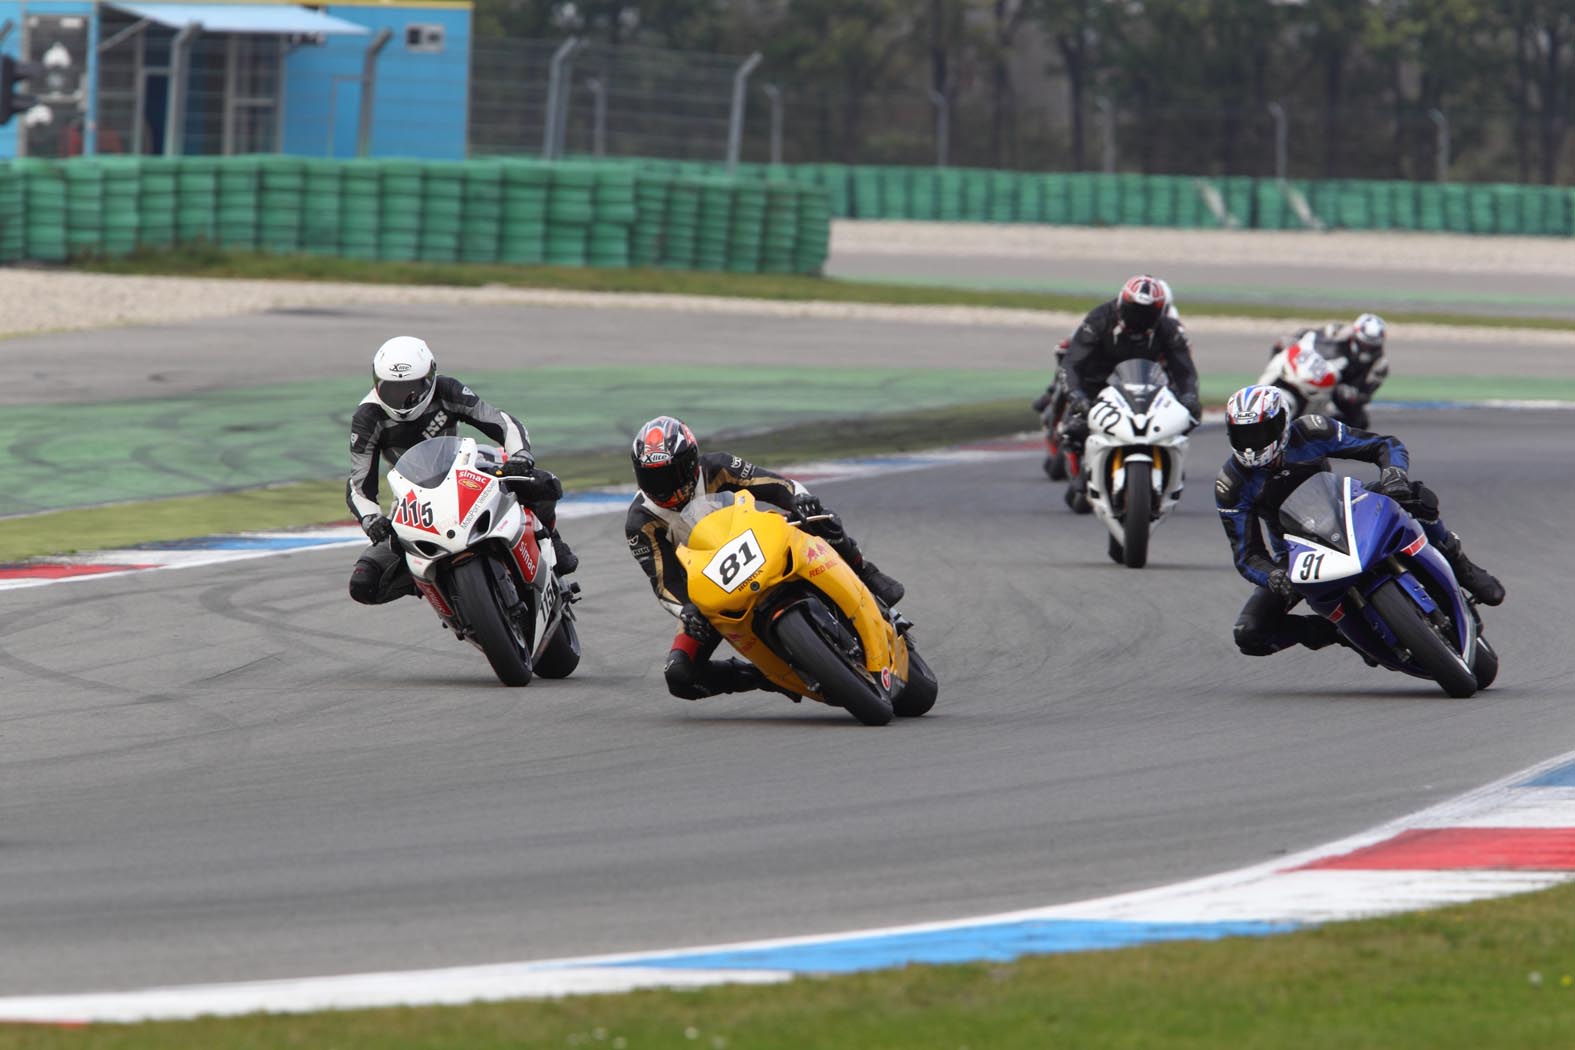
[404, 375]
[1369, 330]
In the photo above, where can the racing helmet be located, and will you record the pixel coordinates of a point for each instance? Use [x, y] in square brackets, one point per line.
[1369, 330]
[404, 376]
[1142, 302]
[666, 460]
[1257, 421]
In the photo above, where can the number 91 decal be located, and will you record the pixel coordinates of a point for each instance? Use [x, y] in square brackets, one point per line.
[735, 562]
[1308, 565]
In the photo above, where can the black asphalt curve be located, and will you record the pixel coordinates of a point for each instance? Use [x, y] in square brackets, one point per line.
[234, 773]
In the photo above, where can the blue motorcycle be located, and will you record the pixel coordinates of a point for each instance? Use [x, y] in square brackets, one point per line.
[1364, 564]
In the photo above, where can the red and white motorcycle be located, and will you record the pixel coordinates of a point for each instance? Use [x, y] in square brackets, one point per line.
[1304, 374]
[484, 561]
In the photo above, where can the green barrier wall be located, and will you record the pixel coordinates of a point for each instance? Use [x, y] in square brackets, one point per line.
[570, 213]
[1090, 199]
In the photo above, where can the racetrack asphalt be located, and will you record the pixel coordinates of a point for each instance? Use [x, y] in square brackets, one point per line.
[235, 773]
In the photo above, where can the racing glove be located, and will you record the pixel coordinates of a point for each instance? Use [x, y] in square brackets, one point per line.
[1280, 584]
[807, 505]
[1042, 402]
[1190, 402]
[1392, 482]
[695, 624]
[519, 465]
[377, 527]
[1074, 421]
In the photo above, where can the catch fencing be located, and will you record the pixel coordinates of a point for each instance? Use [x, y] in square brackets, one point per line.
[523, 212]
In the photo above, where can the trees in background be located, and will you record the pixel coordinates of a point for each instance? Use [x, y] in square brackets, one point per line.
[1365, 84]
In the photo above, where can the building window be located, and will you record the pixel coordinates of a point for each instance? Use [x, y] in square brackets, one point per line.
[423, 36]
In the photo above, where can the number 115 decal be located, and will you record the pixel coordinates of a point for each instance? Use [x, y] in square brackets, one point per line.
[735, 562]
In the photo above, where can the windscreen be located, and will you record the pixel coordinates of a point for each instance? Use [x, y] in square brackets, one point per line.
[699, 507]
[1316, 510]
[427, 464]
[1140, 381]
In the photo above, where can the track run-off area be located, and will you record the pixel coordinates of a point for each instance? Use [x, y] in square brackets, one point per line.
[232, 773]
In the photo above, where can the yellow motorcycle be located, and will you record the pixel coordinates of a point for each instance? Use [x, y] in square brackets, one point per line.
[791, 606]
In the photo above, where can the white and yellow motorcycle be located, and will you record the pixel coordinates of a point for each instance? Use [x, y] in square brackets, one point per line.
[1135, 456]
[483, 560]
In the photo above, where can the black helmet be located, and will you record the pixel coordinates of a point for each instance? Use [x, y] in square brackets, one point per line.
[666, 461]
[1142, 302]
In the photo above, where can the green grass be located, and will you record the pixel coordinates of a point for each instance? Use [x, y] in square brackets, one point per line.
[1487, 975]
[213, 262]
[318, 502]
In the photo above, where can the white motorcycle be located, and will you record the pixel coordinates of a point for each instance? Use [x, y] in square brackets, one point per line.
[483, 561]
[1304, 374]
[1135, 456]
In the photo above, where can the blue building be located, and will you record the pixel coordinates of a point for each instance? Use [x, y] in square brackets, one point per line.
[257, 77]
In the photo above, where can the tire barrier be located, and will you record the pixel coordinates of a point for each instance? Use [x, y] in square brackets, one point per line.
[609, 214]
[1246, 202]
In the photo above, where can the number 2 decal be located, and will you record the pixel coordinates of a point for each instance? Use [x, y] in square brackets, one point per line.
[735, 562]
[1309, 565]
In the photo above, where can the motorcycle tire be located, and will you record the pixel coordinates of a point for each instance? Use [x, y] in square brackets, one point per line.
[918, 696]
[1136, 520]
[562, 654]
[1428, 649]
[840, 682]
[1485, 666]
[476, 599]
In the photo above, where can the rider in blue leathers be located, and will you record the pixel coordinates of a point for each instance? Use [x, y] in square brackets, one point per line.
[1271, 455]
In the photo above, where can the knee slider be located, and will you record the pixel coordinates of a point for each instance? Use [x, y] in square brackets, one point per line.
[364, 579]
[680, 675]
[1252, 641]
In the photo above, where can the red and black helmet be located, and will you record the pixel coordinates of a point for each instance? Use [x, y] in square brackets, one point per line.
[1142, 302]
[666, 461]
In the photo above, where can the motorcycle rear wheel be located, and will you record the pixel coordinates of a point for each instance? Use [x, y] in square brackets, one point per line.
[478, 604]
[918, 695]
[1140, 507]
[562, 654]
[840, 683]
[1428, 649]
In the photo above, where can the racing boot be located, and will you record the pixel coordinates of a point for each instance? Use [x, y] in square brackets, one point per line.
[1077, 496]
[1478, 582]
[888, 590]
[567, 561]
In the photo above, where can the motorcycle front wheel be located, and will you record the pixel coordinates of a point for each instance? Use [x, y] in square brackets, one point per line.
[1139, 495]
[1428, 648]
[918, 696]
[479, 605]
[840, 683]
[562, 654]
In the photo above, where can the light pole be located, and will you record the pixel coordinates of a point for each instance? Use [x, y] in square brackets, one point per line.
[774, 94]
[943, 125]
[735, 121]
[1442, 156]
[1107, 124]
[556, 96]
[598, 92]
[1281, 139]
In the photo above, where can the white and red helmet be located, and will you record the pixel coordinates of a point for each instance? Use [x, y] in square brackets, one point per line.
[1257, 421]
[1142, 302]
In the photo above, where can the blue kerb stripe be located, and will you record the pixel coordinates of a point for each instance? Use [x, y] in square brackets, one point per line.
[242, 543]
[1557, 777]
[996, 943]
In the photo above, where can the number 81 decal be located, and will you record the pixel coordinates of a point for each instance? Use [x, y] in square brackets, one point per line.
[735, 562]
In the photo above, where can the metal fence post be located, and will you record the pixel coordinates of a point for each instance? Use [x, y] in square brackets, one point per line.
[774, 93]
[560, 126]
[735, 121]
[598, 92]
[549, 129]
[1281, 139]
[1107, 124]
[175, 104]
[363, 134]
[1442, 156]
[943, 126]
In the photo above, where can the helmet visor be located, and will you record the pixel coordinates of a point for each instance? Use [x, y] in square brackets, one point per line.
[1139, 317]
[1255, 437]
[664, 482]
[404, 394]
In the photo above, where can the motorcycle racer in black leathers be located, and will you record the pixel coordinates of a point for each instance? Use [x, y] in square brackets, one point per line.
[1356, 353]
[409, 403]
[1272, 454]
[670, 470]
[1135, 324]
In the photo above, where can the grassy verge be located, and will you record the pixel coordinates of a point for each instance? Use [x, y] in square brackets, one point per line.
[317, 502]
[214, 262]
[1494, 974]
